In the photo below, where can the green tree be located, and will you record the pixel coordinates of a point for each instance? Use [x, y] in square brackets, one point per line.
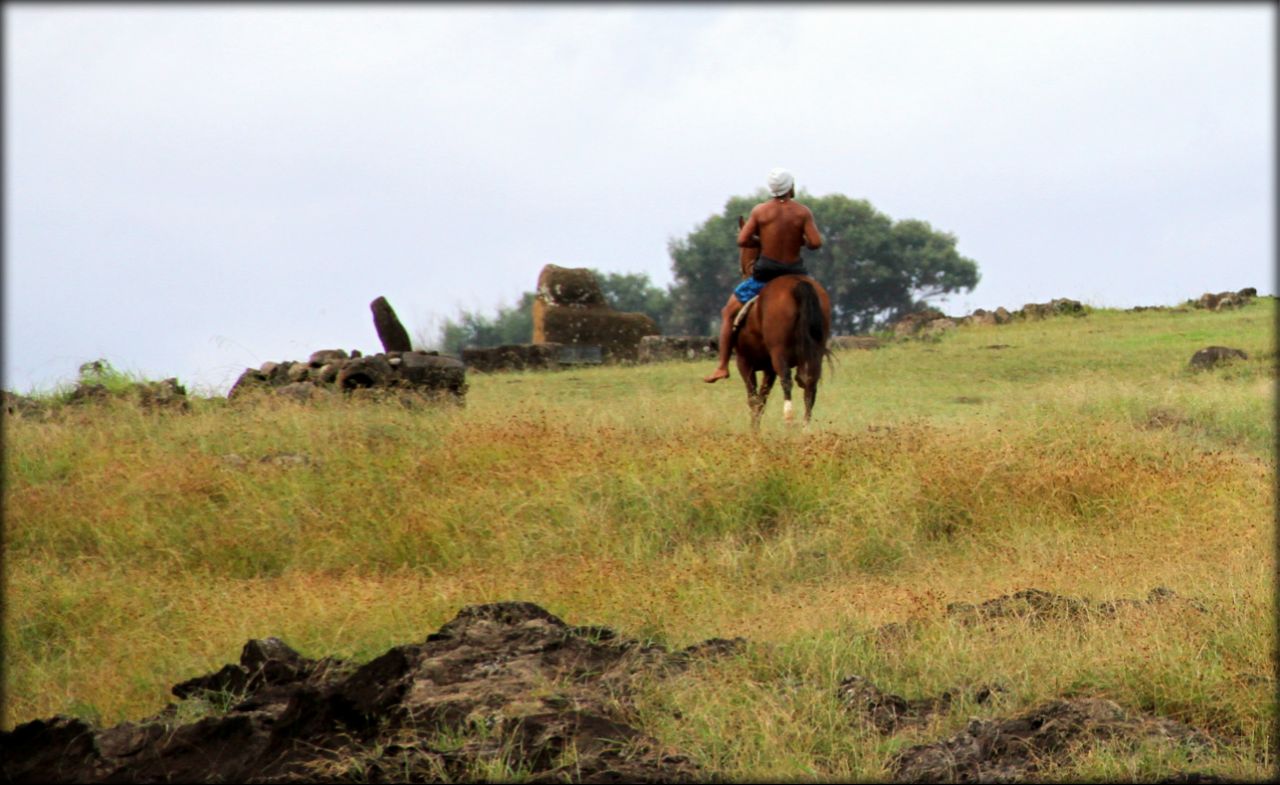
[875, 269]
[512, 324]
[633, 293]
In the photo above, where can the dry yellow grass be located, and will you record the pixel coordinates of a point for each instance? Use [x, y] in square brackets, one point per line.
[144, 549]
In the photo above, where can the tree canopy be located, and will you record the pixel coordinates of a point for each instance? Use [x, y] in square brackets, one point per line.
[875, 269]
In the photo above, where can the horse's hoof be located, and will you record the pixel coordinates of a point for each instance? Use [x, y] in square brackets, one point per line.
[787, 414]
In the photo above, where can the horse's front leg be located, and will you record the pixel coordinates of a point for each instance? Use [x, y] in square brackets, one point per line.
[755, 401]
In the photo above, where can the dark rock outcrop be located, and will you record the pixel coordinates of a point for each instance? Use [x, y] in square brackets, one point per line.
[1225, 300]
[1015, 749]
[1212, 356]
[501, 684]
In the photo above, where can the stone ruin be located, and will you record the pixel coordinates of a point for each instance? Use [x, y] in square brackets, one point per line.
[513, 357]
[931, 323]
[398, 371]
[570, 309]
[1224, 300]
[331, 371]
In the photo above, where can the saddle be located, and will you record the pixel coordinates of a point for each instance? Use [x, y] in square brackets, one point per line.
[742, 313]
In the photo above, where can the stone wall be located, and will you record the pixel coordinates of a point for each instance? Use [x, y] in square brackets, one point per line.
[331, 371]
[513, 357]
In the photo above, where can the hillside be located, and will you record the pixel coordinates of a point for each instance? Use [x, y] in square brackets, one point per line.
[1038, 517]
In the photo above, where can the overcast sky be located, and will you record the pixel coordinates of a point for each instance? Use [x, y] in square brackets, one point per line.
[192, 190]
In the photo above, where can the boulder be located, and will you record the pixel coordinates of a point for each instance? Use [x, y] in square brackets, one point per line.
[1211, 356]
[1225, 300]
[1057, 307]
[371, 371]
[325, 356]
[913, 323]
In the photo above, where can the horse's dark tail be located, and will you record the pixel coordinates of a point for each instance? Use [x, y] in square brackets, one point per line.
[811, 330]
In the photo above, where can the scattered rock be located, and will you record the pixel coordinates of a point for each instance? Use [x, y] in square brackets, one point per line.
[1057, 307]
[1037, 605]
[1211, 356]
[1014, 750]
[890, 713]
[1164, 417]
[911, 324]
[16, 405]
[1225, 300]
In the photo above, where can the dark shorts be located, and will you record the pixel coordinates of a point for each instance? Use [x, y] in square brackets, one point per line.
[765, 270]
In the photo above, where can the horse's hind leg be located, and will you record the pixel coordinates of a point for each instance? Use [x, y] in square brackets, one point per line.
[769, 378]
[810, 396]
[785, 375]
[755, 401]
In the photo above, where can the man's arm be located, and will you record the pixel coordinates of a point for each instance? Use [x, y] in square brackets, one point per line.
[812, 237]
[748, 236]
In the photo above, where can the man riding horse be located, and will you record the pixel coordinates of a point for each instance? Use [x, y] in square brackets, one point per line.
[779, 228]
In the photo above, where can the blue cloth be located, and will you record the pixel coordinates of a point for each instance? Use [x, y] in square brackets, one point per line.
[748, 289]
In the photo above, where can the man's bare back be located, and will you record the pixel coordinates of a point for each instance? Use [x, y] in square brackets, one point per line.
[779, 228]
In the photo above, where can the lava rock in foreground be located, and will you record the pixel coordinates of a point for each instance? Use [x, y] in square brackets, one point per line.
[501, 689]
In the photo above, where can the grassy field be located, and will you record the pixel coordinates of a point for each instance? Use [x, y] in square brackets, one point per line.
[1079, 456]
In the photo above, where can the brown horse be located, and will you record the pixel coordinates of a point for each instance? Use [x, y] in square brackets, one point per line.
[787, 327]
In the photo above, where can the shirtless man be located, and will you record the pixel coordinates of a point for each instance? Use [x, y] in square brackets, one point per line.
[778, 227]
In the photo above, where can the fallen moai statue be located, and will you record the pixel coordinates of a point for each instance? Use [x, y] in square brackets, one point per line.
[331, 371]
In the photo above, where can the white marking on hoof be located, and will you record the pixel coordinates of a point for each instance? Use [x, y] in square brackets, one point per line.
[787, 414]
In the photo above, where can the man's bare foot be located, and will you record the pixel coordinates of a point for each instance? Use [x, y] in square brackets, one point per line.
[716, 375]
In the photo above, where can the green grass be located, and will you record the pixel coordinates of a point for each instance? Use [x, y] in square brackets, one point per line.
[1085, 458]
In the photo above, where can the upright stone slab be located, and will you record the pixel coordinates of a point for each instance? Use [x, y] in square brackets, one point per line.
[392, 334]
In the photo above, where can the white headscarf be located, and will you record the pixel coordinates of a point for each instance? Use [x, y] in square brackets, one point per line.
[780, 181]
